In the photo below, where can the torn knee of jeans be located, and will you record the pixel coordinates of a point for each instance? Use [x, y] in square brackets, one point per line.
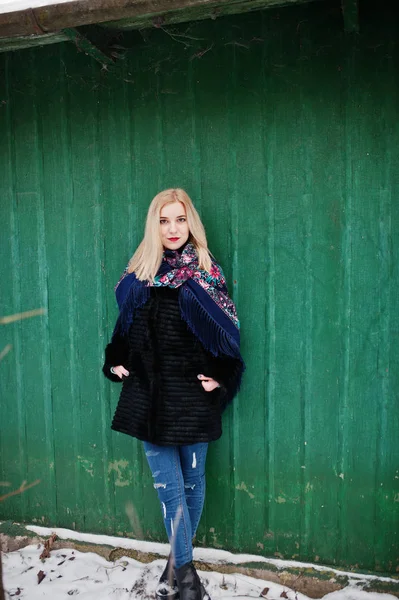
[190, 486]
[151, 453]
[156, 473]
[160, 485]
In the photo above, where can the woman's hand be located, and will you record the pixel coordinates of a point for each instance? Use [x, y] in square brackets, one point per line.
[208, 383]
[120, 371]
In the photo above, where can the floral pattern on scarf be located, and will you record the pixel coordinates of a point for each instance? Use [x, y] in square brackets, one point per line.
[185, 266]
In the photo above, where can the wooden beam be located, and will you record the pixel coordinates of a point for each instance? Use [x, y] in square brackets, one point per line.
[19, 42]
[350, 11]
[197, 13]
[86, 46]
[56, 17]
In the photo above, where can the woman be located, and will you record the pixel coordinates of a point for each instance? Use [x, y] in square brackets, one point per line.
[176, 348]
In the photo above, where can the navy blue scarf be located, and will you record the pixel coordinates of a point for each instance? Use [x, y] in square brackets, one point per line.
[204, 303]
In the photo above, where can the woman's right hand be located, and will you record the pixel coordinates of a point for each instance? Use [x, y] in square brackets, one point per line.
[120, 371]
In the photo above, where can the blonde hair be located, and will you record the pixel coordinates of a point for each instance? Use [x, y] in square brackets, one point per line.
[147, 259]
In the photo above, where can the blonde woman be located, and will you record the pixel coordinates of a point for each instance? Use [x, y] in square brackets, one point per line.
[175, 348]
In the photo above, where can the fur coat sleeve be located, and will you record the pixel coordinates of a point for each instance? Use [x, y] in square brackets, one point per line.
[227, 372]
[116, 353]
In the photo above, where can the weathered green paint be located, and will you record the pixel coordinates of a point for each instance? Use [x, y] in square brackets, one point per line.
[285, 132]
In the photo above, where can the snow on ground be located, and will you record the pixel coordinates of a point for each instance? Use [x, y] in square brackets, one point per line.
[87, 575]
[208, 555]
[8, 6]
[90, 577]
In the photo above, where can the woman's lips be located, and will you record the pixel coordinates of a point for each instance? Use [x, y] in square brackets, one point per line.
[173, 239]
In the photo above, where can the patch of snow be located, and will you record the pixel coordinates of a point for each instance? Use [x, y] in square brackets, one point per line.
[208, 555]
[9, 6]
[91, 577]
[104, 540]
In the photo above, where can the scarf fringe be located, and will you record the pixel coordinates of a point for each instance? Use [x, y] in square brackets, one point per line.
[136, 297]
[212, 336]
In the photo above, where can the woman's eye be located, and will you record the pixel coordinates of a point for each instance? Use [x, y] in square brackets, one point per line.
[163, 221]
[182, 220]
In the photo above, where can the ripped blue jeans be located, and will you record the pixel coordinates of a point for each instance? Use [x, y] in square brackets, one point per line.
[179, 478]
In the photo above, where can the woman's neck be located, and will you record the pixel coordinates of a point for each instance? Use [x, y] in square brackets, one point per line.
[179, 250]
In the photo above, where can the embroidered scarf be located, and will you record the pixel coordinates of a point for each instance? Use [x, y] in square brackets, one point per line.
[203, 299]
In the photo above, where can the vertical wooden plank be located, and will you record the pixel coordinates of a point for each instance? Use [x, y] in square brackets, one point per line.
[230, 57]
[306, 157]
[248, 200]
[345, 326]
[290, 293]
[58, 201]
[359, 306]
[385, 137]
[87, 222]
[321, 135]
[147, 122]
[13, 464]
[33, 355]
[270, 151]
[196, 175]
[47, 429]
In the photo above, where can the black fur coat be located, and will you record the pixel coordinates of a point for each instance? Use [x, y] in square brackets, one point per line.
[162, 400]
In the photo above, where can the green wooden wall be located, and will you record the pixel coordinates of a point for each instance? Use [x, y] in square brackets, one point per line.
[285, 131]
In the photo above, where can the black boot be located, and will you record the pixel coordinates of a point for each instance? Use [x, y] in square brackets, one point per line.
[189, 584]
[167, 587]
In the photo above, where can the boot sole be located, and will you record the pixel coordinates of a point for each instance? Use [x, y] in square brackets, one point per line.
[172, 596]
[176, 596]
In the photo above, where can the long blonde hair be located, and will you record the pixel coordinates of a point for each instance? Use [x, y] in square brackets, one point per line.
[147, 259]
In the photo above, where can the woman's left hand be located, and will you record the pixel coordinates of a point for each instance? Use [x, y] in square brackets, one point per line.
[208, 383]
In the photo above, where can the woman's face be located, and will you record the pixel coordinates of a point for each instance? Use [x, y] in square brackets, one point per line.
[173, 224]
